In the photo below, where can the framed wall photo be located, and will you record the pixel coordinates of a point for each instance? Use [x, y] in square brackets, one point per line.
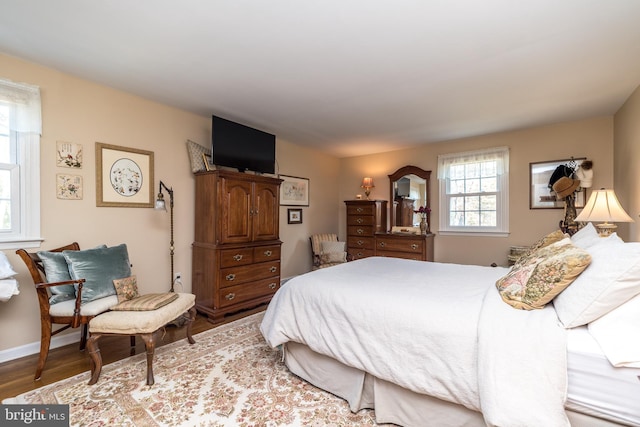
[68, 155]
[68, 187]
[540, 195]
[294, 191]
[124, 177]
[294, 216]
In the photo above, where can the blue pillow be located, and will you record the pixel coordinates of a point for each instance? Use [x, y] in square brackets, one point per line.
[99, 267]
[57, 270]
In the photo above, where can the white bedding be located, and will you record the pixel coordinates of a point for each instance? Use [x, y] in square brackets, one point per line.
[437, 329]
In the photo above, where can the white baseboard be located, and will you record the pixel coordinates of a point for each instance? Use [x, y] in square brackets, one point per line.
[34, 347]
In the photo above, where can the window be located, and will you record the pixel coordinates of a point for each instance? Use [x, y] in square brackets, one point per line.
[20, 129]
[474, 192]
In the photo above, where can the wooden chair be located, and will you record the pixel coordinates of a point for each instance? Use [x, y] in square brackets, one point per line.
[65, 313]
[316, 250]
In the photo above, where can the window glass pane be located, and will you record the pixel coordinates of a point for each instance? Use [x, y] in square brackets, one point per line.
[472, 203]
[472, 170]
[457, 204]
[457, 172]
[489, 219]
[456, 186]
[489, 168]
[488, 203]
[5, 200]
[456, 219]
[472, 219]
[5, 141]
[4, 119]
[472, 186]
[489, 185]
[5, 215]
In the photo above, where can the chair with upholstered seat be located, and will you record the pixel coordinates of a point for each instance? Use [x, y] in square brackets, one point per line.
[61, 301]
[327, 251]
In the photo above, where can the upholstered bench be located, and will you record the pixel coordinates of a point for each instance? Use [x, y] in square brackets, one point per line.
[143, 323]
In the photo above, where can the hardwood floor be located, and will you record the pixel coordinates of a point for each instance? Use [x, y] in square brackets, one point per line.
[16, 376]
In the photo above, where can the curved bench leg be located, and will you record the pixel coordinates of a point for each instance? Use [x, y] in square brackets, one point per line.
[190, 319]
[95, 358]
[150, 346]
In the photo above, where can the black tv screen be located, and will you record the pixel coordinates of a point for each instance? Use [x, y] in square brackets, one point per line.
[245, 148]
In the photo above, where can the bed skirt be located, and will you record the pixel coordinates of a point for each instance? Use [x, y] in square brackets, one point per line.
[392, 403]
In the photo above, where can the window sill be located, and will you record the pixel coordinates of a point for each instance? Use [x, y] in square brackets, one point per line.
[475, 233]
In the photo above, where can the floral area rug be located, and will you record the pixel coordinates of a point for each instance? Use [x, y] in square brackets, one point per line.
[230, 377]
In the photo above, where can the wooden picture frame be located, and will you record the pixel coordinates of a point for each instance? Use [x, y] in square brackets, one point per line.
[294, 191]
[540, 195]
[124, 177]
[294, 216]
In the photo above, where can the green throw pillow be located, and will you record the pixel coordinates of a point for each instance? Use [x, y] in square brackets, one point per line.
[99, 267]
[57, 270]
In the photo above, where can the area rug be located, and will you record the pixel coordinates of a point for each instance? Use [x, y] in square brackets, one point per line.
[230, 377]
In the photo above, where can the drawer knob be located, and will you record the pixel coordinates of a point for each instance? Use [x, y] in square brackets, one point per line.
[359, 210]
[360, 242]
[382, 244]
[360, 231]
[414, 246]
[272, 285]
[230, 277]
[230, 296]
[267, 253]
[359, 254]
[359, 220]
[237, 257]
[273, 269]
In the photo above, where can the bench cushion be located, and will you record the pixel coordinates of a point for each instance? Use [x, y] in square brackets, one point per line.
[141, 322]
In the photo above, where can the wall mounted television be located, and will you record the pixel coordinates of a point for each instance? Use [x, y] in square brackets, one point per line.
[242, 147]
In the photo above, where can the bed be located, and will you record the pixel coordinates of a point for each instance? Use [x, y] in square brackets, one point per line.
[435, 344]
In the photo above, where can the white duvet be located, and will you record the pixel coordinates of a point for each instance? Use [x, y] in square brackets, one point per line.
[433, 328]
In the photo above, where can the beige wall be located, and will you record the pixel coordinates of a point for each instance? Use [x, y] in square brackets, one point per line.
[627, 170]
[82, 112]
[591, 138]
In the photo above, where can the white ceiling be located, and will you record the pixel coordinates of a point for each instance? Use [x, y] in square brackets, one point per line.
[349, 77]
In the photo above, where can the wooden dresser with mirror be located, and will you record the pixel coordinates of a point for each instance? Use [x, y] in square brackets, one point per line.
[367, 234]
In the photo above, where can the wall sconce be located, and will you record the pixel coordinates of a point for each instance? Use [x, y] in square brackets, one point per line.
[367, 184]
[161, 206]
[603, 205]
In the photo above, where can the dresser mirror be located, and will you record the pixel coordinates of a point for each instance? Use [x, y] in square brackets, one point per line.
[410, 188]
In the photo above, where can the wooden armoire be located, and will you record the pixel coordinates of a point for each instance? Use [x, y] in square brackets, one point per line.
[236, 252]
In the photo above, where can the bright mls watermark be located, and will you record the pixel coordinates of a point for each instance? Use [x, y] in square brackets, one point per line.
[34, 415]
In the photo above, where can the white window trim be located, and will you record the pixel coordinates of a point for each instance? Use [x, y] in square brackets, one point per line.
[29, 128]
[502, 227]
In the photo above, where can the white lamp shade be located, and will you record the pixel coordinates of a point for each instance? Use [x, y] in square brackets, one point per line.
[603, 205]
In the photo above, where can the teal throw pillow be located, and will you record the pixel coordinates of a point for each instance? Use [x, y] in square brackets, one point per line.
[99, 267]
[57, 270]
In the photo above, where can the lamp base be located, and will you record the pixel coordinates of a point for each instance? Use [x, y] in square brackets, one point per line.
[606, 229]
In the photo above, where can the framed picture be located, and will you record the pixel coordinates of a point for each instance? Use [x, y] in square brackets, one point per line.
[68, 155]
[294, 216]
[124, 177]
[68, 187]
[294, 191]
[206, 159]
[540, 195]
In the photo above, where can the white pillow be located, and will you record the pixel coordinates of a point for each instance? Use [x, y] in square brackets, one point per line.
[588, 236]
[612, 278]
[326, 247]
[617, 334]
[6, 271]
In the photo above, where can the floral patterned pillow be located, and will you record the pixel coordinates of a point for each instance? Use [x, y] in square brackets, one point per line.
[547, 240]
[533, 283]
[126, 289]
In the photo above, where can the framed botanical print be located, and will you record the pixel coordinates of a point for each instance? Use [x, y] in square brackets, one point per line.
[294, 191]
[124, 176]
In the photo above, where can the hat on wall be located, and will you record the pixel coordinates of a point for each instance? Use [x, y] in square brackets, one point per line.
[565, 186]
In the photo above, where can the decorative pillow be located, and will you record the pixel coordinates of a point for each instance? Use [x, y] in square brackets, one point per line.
[533, 283]
[612, 279]
[614, 332]
[547, 240]
[327, 246]
[57, 270]
[196, 151]
[146, 302]
[331, 257]
[6, 271]
[126, 289]
[99, 267]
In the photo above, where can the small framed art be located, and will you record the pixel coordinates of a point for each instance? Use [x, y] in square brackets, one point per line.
[541, 195]
[294, 216]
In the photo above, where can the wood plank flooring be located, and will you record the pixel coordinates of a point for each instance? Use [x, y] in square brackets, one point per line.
[16, 376]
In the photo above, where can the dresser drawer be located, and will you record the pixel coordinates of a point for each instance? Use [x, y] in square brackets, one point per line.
[247, 291]
[400, 245]
[266, 253]
[357, 230]
[360, 220]
[368, 209]
[356, 242]
[235, 257]
[356, 253]
[235, 275]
